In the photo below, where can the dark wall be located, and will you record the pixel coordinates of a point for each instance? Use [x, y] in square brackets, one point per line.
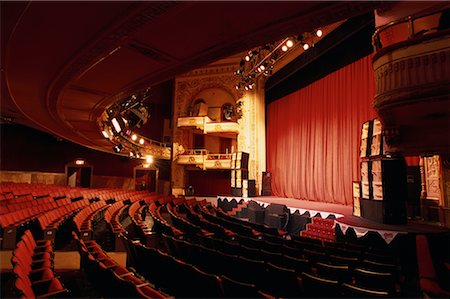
[160, 108]
[210, 183]
[26, 149]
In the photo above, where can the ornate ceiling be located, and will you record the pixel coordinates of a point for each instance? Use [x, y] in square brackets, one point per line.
[62, 63]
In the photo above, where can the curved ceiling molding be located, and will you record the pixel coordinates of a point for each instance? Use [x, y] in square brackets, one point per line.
[65, 62]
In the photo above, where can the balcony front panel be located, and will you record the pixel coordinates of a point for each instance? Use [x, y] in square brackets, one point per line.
[221, 127]
[412, 94]
[190, 159]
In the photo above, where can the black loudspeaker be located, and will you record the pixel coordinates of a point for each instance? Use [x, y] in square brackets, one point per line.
[251, 188]
[266, 184]
[390, 188]
[372, 209]
[255, 212]
[276, 215]
[395, 190]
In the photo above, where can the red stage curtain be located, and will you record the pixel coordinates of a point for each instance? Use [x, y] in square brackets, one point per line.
[313, 135]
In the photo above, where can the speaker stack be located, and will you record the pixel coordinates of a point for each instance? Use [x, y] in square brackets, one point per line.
[383, 187]
[240, 184]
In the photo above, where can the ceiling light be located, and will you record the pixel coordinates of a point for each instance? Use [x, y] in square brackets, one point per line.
[305, 46]
[116, 125]
[149, 159]
[131, 154]
[134, 137]
[247, 58]
[118, 148]
[105, 134]
[319, 32]
[284, 48]
[289, 43]
[141, 141]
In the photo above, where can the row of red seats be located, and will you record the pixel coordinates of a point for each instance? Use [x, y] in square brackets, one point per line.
[50, 220]
[135, 211]
[114, 279]
[33, 268]
[111, 216]
[22, 216]
[84, 217]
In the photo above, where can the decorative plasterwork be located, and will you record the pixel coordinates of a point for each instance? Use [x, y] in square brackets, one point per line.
[433, 177]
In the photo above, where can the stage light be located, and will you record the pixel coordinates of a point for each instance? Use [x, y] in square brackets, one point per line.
[289, 43]
[149, 159]
[118, 148]
[105, 134]
[284, 48]
[134, 137]
[262, 67]
[247, 58]
[116, 125]
[305, 46]
[141, 141]
[319, 32]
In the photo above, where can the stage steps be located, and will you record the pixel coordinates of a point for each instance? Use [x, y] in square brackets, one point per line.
[320, 228]
[238, 209]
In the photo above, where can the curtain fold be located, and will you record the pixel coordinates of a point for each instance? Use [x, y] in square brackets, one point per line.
[313, 135]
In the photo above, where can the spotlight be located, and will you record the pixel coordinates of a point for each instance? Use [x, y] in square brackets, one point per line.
[284, 48]
[319, 32]
[149, 159]
[105, 133]
[262, 67]
[247, 58]
[141, 141]
[289, 43]
[134, 137]
[116, 125]
[118, 148]
[305, 46]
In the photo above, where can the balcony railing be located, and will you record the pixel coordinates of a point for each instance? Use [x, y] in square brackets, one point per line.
[207, 125]
[201, 158]
[406, 28]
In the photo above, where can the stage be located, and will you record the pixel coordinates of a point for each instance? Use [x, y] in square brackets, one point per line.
[348, 228]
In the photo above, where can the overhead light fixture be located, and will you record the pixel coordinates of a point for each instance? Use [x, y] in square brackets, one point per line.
[141, 141]
[134, 137]
[118, 148]
[116, 125]
[149, 159]
[260, 61]
[105, 134]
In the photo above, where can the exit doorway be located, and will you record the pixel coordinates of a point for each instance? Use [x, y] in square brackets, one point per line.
[146, 179]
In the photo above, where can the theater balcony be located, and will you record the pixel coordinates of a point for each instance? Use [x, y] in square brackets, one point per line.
[202, 159]
[208, 126]
[412, 74]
